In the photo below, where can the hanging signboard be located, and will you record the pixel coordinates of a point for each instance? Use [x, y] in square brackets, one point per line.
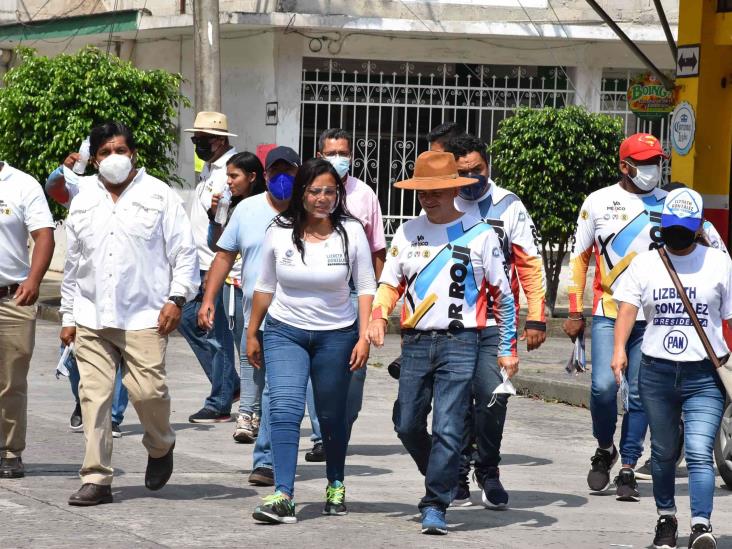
[648, 99]
[683, 128]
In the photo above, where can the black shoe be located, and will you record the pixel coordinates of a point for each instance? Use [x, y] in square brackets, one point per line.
[462, 495]
[666, 532]
[627, 487]
[317, 454]
[91, 494]
[598, 479]
[701, 537]
[644, 471]
[494, 494]
[76, 423]
[262, 476]
[11, 468]
[204, 415]
[395, 368]
[159, 470]
[116, 432]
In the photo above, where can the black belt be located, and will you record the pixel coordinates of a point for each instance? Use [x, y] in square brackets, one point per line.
[5, 291]
[410, 331]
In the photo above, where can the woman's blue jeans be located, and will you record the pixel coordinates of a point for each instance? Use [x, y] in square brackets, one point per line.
[692, 390]
[293, 356]
[604, 391]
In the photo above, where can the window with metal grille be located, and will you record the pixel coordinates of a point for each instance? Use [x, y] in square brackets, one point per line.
[390, 107]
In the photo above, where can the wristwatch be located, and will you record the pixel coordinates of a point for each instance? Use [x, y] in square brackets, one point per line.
[178, 300]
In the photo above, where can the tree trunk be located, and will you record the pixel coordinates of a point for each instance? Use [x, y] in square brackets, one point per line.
[552, 269]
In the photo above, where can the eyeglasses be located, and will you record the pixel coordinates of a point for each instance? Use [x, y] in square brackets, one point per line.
[196, 140]
[328, 192]
[333, 154]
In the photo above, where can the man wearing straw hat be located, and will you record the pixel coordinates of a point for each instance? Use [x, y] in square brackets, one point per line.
[215, 349]
[445, 262]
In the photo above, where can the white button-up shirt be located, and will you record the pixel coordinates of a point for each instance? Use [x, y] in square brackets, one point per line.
[212, 180]
[125, 259]
[23, 209]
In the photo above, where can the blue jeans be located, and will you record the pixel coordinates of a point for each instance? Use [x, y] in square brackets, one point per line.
[252, 385]
[262, 453]
[604, 391]
[670, 390]
[355, 394]
[293, 356]
[440, 365]
[214, 351]
[484, 424]
[120, 399]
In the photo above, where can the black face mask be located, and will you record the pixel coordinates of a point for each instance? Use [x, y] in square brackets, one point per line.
[204, 150]
[677, 238]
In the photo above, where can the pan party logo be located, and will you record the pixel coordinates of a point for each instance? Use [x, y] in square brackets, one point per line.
[394, 251]
[584, 214]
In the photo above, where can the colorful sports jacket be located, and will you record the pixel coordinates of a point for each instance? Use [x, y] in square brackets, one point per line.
[614, 226]
[446, 273]
[520, 243]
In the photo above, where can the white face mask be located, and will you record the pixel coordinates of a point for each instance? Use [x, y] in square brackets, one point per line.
[505, 388]
[340, 163]
[115, 168]
[646, 177]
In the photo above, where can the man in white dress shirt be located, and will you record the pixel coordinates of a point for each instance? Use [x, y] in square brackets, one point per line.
[23, 211]
[130, 267]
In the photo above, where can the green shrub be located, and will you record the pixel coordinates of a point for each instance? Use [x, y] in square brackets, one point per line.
[552, 159]
[48, 106]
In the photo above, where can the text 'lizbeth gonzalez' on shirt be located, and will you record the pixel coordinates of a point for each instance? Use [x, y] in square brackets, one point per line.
[448, 273]
[706, 275]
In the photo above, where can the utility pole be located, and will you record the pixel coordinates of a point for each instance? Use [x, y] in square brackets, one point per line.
[206, 55]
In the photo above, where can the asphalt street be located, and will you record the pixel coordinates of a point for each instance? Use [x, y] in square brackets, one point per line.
[208, 502]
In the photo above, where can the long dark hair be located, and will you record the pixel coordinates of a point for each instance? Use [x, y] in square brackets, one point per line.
[295, 216]
[248, 163]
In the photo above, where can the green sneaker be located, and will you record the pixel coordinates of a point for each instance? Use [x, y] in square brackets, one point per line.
[277, 509]
[335, 499]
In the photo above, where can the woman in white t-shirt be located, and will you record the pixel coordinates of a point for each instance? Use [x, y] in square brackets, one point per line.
[676, 376]
[311, 251]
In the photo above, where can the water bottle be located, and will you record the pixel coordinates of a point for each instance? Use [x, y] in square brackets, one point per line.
[80, 165]
[223, 208]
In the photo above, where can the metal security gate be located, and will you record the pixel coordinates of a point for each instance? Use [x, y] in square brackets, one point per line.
[614, 101]
[390, 107]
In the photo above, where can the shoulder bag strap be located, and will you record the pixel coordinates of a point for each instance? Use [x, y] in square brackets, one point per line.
[689, 309]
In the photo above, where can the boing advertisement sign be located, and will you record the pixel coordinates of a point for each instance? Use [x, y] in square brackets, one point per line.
[648, 99]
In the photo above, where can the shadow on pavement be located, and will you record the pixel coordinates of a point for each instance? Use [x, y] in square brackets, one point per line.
[317, 470]
[529, 499]
[526, 461]
[136, 428]
[375, 449]
[59, 470]
[184, 492]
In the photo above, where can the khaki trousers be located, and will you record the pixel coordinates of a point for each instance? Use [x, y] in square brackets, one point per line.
[17, 338]
[98, 352]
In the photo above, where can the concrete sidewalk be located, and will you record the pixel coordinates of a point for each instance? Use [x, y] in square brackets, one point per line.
[541, 372]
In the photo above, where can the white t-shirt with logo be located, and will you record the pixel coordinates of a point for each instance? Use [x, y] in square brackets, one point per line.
[706, 275]
[23, 209]
[314, 294]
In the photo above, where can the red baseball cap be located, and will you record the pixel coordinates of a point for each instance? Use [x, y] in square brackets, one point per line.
[641, 146]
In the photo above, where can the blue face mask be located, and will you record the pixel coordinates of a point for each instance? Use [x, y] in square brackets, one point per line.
[281, 186]
[476, 190]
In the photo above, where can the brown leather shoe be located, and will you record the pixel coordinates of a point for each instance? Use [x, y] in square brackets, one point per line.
[159, 470]
[91, 494]
[11, 468]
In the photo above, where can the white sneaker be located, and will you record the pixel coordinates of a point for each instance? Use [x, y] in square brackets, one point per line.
[244, 429]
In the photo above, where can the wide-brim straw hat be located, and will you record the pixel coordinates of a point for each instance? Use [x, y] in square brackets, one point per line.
[214, 123]
[435, 170]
